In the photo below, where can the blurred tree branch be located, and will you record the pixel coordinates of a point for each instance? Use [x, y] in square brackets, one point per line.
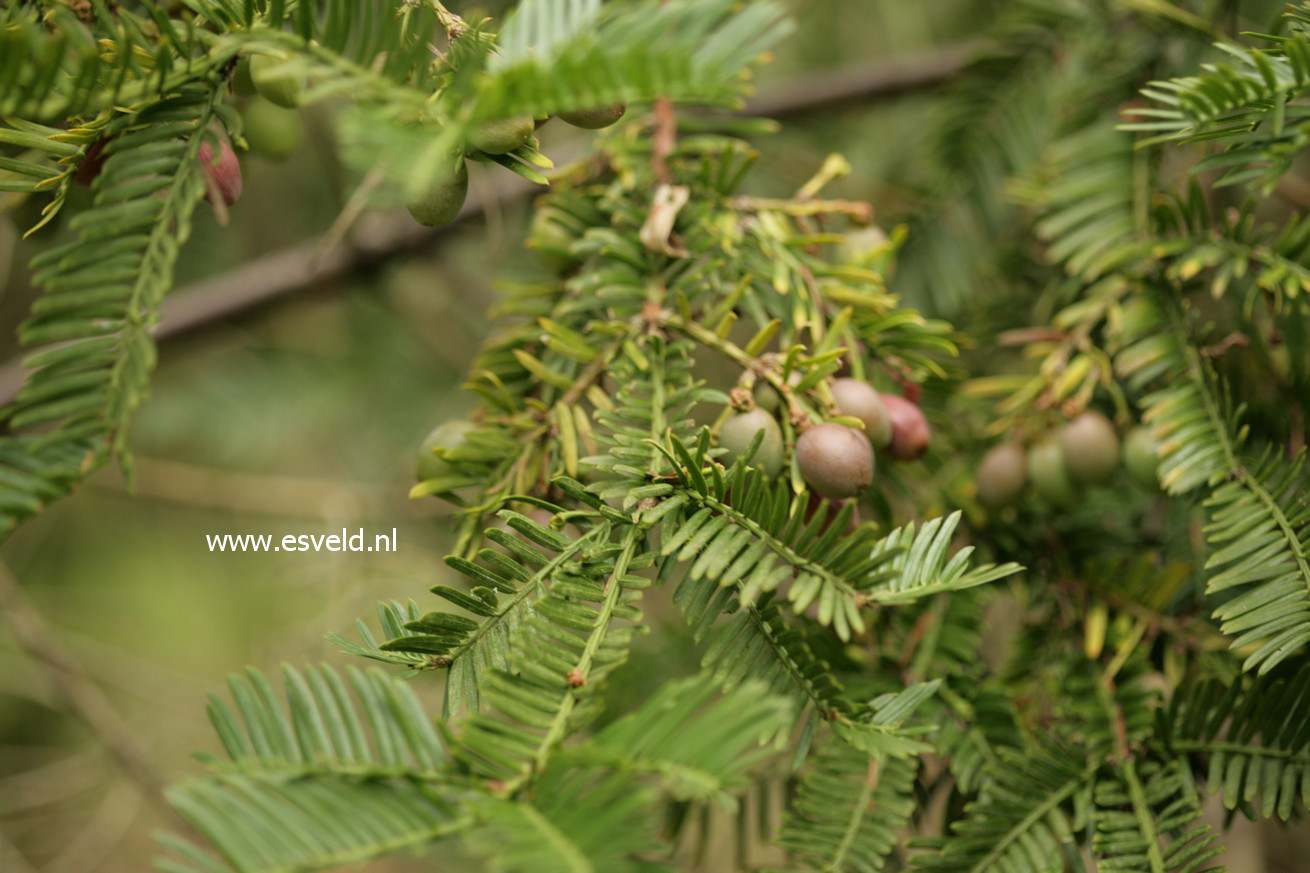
[383, 236]
[51, 783]
[84, 699]
[13, 860]
[103, 830]
[268, 494]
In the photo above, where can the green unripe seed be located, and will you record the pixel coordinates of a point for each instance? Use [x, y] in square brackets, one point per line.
[271, 131]
[1049, 473]
[1002, 475]
[503, 135]
[836, 461]
[443, 436]
[1091, 448]
[441, 203]
[242, 84]
[595, 118]
[860, 400]
[739, 431]
[273, 82]
[1140, 458]
[765, 397]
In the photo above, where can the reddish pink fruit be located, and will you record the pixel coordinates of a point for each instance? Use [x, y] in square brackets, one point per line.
[910, 432]
[224, 170]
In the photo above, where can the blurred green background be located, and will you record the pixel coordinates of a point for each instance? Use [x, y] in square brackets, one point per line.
[302, 416]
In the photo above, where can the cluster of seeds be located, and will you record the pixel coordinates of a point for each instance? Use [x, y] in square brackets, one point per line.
[1085, 452]
[272, 127]
[835, 460]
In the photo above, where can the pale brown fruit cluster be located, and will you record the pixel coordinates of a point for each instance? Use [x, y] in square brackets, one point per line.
[837, 461]
[1085, 452]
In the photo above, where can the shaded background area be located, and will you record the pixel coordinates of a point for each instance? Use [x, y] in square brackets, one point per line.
[302, 416]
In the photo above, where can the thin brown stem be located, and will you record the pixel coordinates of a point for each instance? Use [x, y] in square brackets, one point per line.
[663, 139]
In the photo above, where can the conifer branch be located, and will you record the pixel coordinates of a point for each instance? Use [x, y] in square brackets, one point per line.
[849, 649]
[273, 276]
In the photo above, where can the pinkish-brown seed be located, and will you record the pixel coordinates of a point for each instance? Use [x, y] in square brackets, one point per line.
[910, 431]
[224, 169]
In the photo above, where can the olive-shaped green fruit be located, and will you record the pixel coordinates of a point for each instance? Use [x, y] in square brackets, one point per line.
[859, 400]
[442, 201]
[273, 82]
[767, 397]
[740, 429]
[836, 460]
[1049, 475]
[595, 118]
[503, 135]
[242, 84]
[1091, 448]
[1140, 458]
[271, 131]
[910, 431]
[443, 436]
[551, 237]
[1002, 475]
